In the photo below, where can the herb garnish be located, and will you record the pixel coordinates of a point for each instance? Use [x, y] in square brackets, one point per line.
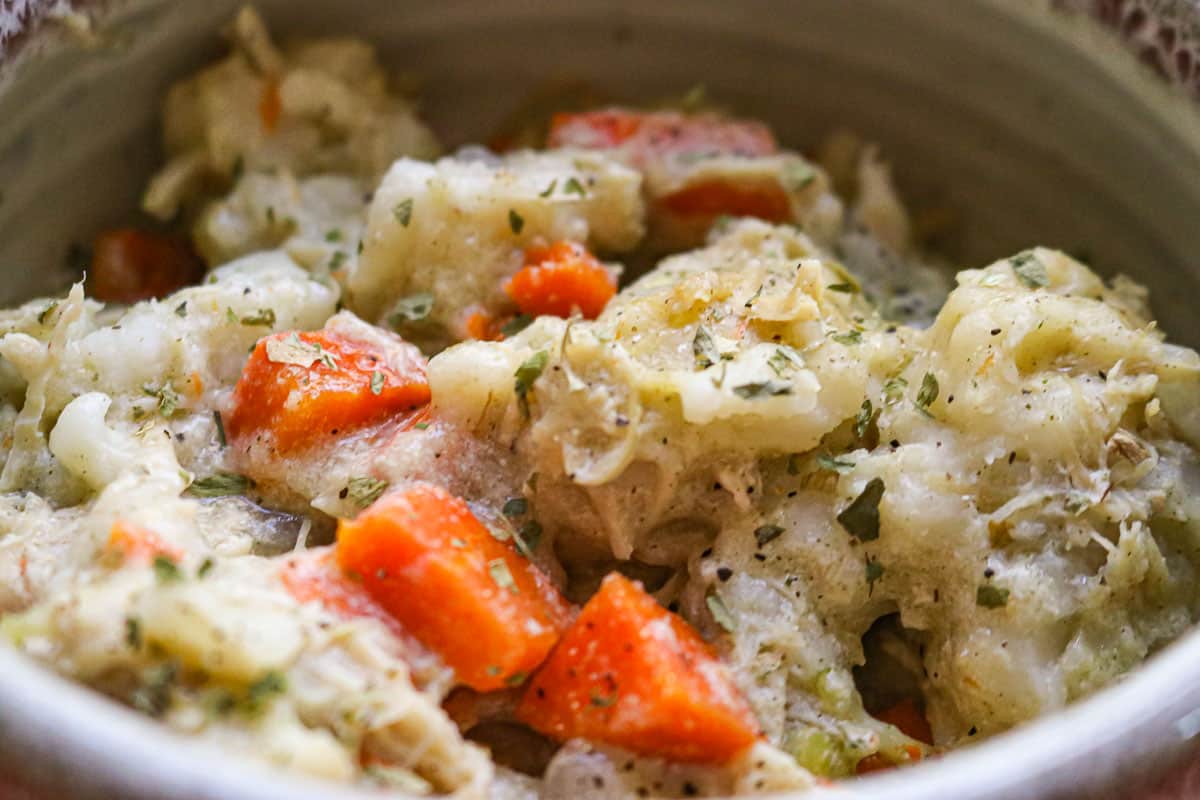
[784, 361]
[704, 348]
[49, 309]
[133, 633]
[206, 566]
[927, 393]
[1030, 270]
[798, 175]
[529, 371]
[573, 186]
[500, 573]
[364, 490]
[515, 507]
[515, 221]
[764, 534]
[603, 701]
[756, 389]
[413, 308]
[377, 382]
[874, 573]
[831, 464]
[862, 420]
[168, 399]
[271, 683]
[515, 325]
[990, 596]
[154, 696]
[403, 211]
[220, 423]
[166, 570]
[263, 316]
[850, 337]
[720, 612]
[893, 389]
[220, 484]
[844, 288]
[861, 517]
[549, 190]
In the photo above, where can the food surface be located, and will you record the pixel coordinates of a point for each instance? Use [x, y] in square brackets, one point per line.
[651, 459]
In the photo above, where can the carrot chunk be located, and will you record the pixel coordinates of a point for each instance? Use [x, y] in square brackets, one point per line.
[314, 576]
[270, 106]
[631, 674]
[560, 278]
[711, 198]
[488, 612]
[908, 718]
[299, 388]
[137, 545]
[648, 135]
[129, 265]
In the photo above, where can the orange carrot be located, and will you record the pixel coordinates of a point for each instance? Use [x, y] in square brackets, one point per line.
[560, 278]
[488, 612]
[347, 385]
[270, 106]
[630, 674]
[314, 576]
[715, 197]
[647, 135]
[482, 325]
[137, 545]
[908, 718]
[130, 265]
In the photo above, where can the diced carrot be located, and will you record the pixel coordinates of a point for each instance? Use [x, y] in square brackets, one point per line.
[715, 197]
[137, 545]
[908, 718]
[347, 385]
[647, 135]
[270, 106]
[631, 674]
[559, 279]
[488, 612]
[483, 326]
[314, 576]
[129, 265]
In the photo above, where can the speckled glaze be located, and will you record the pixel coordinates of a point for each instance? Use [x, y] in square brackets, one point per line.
[1072, 123]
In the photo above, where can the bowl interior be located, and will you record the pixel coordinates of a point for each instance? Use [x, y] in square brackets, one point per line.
[1036, 126]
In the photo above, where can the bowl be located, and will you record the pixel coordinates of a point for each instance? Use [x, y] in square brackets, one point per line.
[1073, 124]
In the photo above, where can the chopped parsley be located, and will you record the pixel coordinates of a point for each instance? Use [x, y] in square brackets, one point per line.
[704, 348]
[364, 490]
[263, 316]
[271, 683]
[784, 361]
[516, 507]
[337, 259]
[573, 186]
[831, 464]
[166, 570]
[798, 175]
[861, 517]
[517, 678]
[848, 338]
[501, 575]
[757, 389]
[220, 484]
[413, 308]
[528, 537]
[927, 393]
[874, 573]
[168, 399]
[515, 325]
[990, 596]
[516, 222]
[603, 701]
[764, 534]
[133, 633]
[153, 697]
[403, 211]
[549, 190]
[893, 389]
[48, 310]
[206, 566]
[720, 612]
[844, 288]
[862, 420]
[220, 424]
[377, 382]
[333, 235]
[529, 371]
[1030, 270]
